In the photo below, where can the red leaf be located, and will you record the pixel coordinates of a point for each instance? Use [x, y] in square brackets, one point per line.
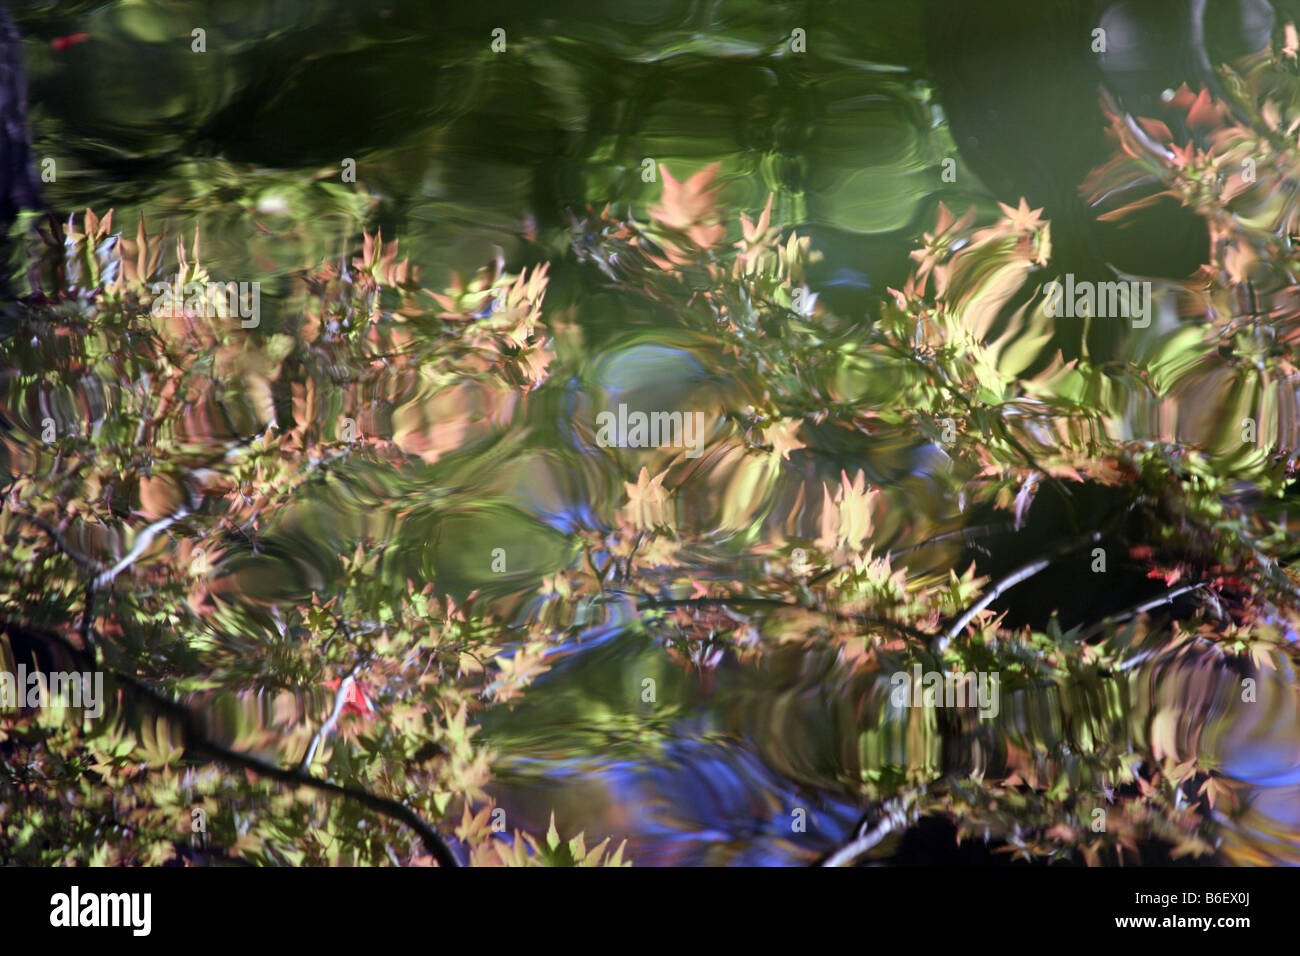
[356, 702]
[59, 44]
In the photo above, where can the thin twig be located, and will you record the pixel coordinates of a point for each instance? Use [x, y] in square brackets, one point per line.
[88, 619]
[142, 542]
[327, 728]
[1135, 610]
[1020, 574]
[977, 532]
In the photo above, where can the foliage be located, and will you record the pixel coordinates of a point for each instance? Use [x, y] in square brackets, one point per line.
[184, 443]
[947, 353]
[125, 534]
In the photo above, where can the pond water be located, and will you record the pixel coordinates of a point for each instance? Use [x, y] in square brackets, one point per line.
[471, 156]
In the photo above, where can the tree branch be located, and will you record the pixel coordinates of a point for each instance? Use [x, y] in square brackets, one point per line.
[196, 740]
[1148, 605]
[773, 602]
[897, 817]
[1020, 574]
[142, 542]
[79, 559]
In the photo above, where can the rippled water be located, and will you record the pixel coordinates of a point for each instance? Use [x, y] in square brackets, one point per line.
[468, 159]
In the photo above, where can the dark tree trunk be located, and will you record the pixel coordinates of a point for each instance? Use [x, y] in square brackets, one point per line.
[19, 187]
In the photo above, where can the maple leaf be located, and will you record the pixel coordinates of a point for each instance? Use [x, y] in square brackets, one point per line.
[356, 700]
[1022, 217]
[1182, 771]
[1261, 653]
[699, 589]
[935, 245]
[474, 827]
[660, 553]
[691, 206]
[1183, 155]
[517, 672]
[755, 233]
[647, 501]
[1213, 788]
[1203, 113]
[756, 237]
[781, 435]
[847, 520]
